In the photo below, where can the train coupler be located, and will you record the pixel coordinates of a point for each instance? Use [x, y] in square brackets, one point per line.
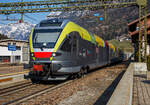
[26, 77]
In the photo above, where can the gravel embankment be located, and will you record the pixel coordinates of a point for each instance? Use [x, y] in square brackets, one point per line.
[95, 88]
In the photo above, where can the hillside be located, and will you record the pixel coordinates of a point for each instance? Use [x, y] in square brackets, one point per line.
[17, 31]
[114, 26]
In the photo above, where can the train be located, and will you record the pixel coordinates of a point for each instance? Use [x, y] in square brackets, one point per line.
[60, 49]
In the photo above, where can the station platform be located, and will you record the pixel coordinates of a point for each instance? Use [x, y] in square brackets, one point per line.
[11, 70]
[11, 74]
[141, 90]
[134, 86]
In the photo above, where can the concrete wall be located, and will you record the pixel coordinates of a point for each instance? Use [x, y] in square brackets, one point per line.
[140, 68]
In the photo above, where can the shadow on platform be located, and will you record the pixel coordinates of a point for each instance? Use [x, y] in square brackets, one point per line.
[141, 76]
[146, 81]
[103, 99]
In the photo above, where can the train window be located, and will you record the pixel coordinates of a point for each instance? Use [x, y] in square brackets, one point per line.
[66, 46]
[50, 24]
[42, 36]
[74, 35]
[74, 44]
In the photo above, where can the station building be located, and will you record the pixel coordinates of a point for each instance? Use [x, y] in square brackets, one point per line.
[21, 55]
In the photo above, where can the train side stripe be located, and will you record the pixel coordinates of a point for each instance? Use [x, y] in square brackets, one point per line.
[69, 28]
[30, 42]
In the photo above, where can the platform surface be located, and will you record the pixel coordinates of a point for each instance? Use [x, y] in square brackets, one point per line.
[11, 70]
[141, 90]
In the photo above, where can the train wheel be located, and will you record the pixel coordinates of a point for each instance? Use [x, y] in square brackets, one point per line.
[34, 81]
[86, 71]
[81, 73]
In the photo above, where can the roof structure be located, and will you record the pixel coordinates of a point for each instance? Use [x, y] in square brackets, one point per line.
[6, 40]
[134, 28]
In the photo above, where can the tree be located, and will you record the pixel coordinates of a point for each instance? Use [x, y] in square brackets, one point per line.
[3, 37]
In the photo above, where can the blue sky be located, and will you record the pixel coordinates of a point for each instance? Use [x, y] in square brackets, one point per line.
[36, 17]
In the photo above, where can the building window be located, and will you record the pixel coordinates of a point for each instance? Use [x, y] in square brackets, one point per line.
[18, 48]
[9, 44]
[14, 43]
[17, 58]
[4, 58]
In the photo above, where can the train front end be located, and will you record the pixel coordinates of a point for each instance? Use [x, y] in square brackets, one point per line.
[42, 43]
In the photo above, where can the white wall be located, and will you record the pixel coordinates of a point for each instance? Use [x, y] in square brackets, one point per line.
[4, 52]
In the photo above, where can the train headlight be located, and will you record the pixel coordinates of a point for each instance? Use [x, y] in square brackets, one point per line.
[32, 54]
[56, 54]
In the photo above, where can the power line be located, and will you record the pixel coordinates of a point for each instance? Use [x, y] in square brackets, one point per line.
[30, 17]
[62, 5]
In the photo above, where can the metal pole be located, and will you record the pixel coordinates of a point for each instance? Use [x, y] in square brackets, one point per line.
[22, 13]
[145, 33]
[105, 13]
[140, 33]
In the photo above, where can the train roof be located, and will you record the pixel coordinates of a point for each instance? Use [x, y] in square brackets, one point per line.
[52, 23]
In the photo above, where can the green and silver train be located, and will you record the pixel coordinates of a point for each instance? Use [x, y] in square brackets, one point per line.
[59, 49]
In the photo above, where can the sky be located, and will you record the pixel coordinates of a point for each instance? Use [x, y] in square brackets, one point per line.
[35, 17]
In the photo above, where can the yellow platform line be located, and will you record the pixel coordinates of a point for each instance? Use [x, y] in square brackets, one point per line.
[5, 80]
[10, 74]
[11, 67]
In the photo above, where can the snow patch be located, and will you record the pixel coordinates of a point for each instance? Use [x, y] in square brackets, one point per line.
[20, 31]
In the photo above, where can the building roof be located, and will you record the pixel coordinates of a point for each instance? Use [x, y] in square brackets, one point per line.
[3, 45]
[6, 40]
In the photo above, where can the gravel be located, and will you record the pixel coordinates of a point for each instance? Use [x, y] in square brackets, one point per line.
[95, 88]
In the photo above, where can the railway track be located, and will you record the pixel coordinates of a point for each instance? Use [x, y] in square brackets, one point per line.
[15, 95]
[14, 88]
[24, 91]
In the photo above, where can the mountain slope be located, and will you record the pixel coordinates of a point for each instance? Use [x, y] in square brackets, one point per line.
[17, 31]
[114, 26]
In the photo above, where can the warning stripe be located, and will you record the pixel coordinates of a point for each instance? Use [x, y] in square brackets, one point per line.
[42, 54]
[5, 79]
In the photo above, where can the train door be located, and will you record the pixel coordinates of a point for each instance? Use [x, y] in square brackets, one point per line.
[107, 54]
[74, 47]
[65, 49]
[97, 54]
[100, 54]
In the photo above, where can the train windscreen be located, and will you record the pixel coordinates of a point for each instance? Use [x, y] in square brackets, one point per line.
[45, 38]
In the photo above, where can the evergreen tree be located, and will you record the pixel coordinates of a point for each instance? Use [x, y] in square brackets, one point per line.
[3, 37]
